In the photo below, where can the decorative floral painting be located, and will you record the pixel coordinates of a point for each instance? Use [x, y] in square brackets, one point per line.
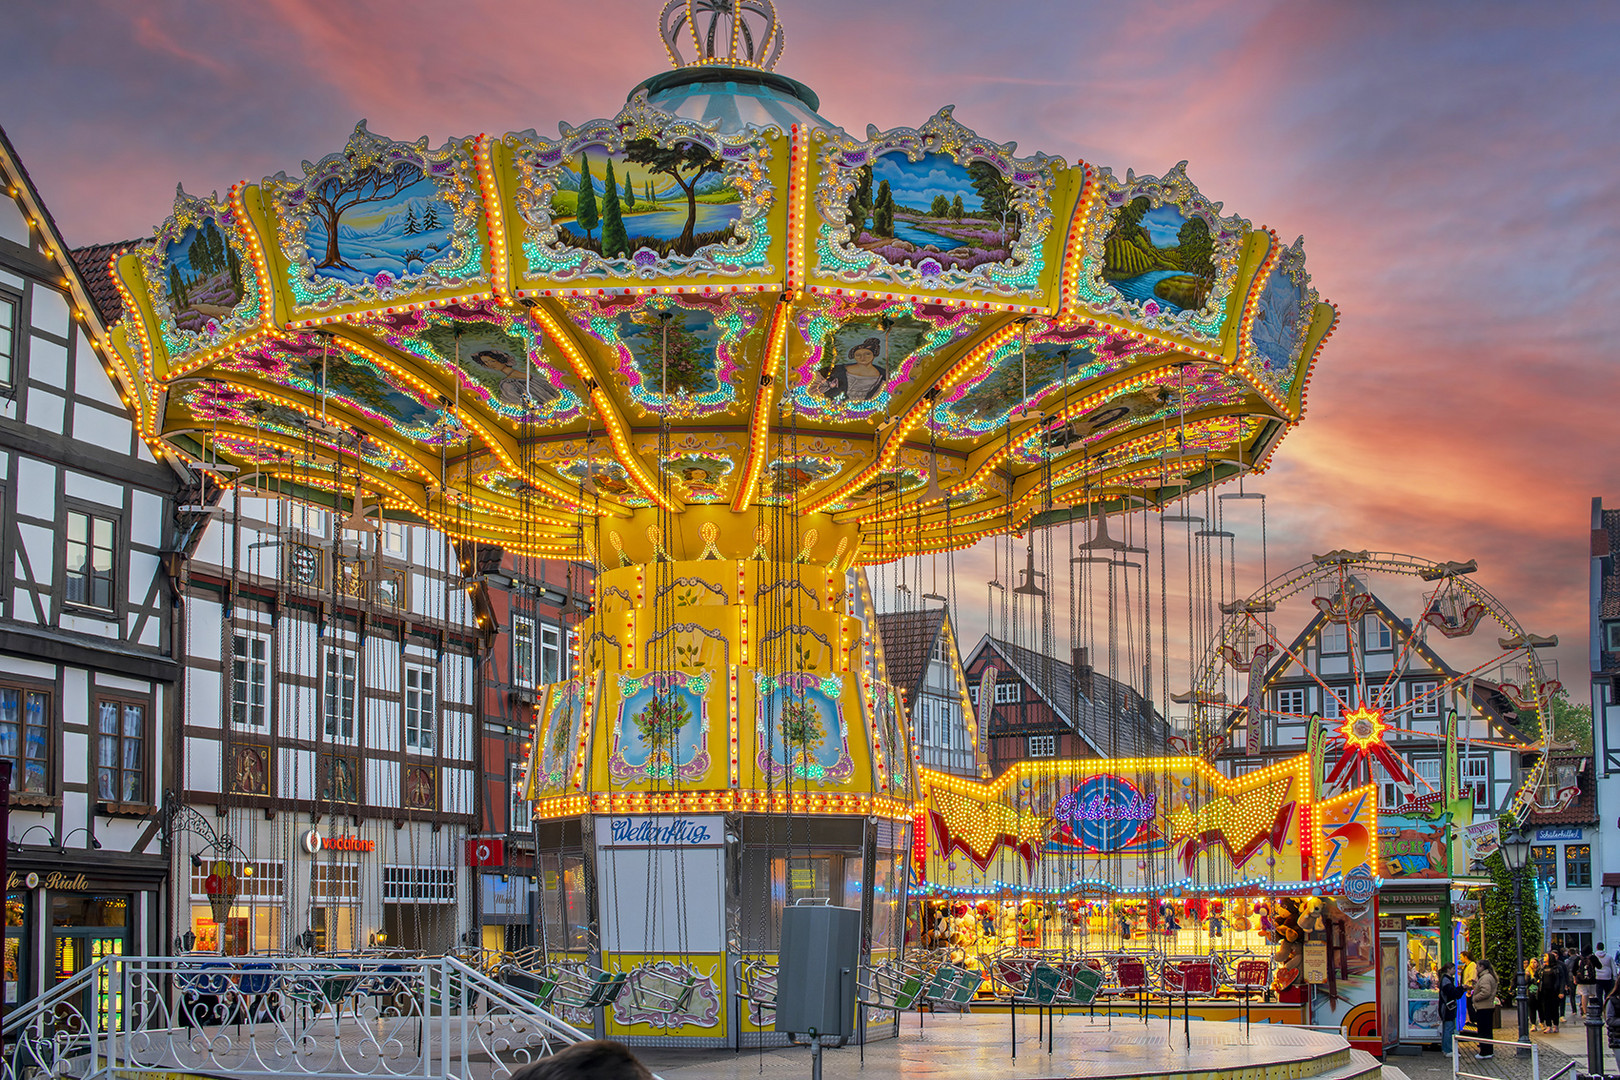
[800, 728]
[559, 735]
[663, 727]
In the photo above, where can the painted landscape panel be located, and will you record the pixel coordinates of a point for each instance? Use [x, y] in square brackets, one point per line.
[671, 200]
[933, 209]
[381, 225]
[690, 363]
[1158, 256]
[205, 277]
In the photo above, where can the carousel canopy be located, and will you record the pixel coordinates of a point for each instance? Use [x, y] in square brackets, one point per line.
[714, 299]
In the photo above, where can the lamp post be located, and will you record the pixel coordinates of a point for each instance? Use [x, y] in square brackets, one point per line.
[1516, 853]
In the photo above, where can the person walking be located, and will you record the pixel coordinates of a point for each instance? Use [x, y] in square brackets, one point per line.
[1569, 956]
[1552, 992]
[1605, 973]
[1466, 976]
[1482, 1004]
[1450, 994]
[1532, 993]
[1585, 980]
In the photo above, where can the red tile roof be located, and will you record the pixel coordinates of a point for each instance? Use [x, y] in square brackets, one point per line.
[1583, 810]
[97, 276]
[908, 638]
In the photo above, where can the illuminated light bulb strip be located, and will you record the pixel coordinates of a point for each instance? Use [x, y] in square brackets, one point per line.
[742, 604]
[1182, 887]
[760, 426]
[723, 801]
[500, 269]
[1074, 255]
[256, 254]
[588, 687]
[940, 301]
[914, 414]
[731, 723]
[1310, 367]
[605, 409]
[1251, 303]
[144, 361]
[797, 191]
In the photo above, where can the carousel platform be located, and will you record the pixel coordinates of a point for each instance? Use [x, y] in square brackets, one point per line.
[979, 1046]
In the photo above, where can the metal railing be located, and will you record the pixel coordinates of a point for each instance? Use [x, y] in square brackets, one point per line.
[1457, 1059]
[429, 1018]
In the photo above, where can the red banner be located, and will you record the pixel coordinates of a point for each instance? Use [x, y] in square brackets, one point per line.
[486, 851]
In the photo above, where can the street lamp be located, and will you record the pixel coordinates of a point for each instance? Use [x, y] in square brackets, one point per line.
[1515, 848]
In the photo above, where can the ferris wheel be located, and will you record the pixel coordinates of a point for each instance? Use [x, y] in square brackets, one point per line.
[1383, 658]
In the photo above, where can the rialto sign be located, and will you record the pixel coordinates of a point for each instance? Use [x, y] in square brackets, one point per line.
[53, 880]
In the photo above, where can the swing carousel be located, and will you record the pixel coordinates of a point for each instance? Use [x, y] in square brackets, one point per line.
[749, 373]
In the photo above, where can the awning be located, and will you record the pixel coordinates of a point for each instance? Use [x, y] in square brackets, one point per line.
[1574, 924]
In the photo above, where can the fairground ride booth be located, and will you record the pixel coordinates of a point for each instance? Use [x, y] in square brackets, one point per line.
[1182, 887]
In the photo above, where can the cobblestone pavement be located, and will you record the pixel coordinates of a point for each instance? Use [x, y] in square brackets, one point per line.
[1555, 1052]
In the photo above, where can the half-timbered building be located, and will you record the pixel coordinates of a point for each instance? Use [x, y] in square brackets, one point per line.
[919, 649]
[87, 671]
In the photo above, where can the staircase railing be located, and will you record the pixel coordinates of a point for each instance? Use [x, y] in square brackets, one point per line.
[429, 1018]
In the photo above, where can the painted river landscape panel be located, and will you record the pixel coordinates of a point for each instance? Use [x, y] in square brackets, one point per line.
[669, 200]
[1159, 256]
[933, 210]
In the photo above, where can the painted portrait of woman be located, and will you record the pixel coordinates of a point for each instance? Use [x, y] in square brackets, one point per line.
[860, 376]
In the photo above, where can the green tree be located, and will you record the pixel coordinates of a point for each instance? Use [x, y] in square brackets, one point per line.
[993, 189]
[1196, 248]
[411, 226]
[860, 203]
[234, 265]
[585, 208]
[1571, 723]
[695, 159]
[651, 201]
[957, 209]
[1490, 933]
[615, 242]
[1128, 223]
[628, 197]
[430, 217]
[177, 289]
[883, 211]
[941, 207]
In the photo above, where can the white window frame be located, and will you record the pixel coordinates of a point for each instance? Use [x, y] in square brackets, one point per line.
[330, 880]
[10, 334]
[1333, 639]
[1330, 701]
[1415, 690]
[421, 708]
[418, 884]
[1611, 632]
[523, 650]
[1042, 746]
[1008, 693]
[1475, 770]
[1291, 700]
[552, 653]
[520, 808]
[307, 519]
[393, 539]
[267, 882]
[1376, 636]
[250, 679]
[88, 571]
[339, 725]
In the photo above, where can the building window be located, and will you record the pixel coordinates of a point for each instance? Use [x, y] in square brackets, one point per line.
[1007, 693]
[89, 554]
[522, 809]
[25, 738]
[419, 710]
[1375, 635]
[393, 538]
[309, 519]
[1427, 771]
[250, 680]
[1544, 864]
[1476, 779]
[418, 885]
[1043, 746]
[1291, 702]
[551, 653]
[121, 751]
[1331, 698]
[1424, 699]
[338, 698]
[1611, 633]
[522, 651]
[334, 881]
[8, 340]
[1334, 638]
[1577, 866]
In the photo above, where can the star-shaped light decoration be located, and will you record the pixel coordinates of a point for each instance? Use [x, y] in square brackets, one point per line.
[1362, 730]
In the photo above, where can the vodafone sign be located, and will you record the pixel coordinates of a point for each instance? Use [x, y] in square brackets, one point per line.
[486, 851]
[314, 843]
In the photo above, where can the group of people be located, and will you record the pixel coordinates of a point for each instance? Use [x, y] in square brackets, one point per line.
[1555, 984]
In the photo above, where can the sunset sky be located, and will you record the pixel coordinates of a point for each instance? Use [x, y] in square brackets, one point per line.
[1453, 166]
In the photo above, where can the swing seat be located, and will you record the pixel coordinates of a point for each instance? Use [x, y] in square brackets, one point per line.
[1081, 984]
[581, 987]
[657, 992]
[954, 987]
[890, 988]
[756, 984]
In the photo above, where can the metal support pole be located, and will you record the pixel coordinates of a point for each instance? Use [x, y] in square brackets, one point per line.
[1594, 1036]
[1521, 995]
